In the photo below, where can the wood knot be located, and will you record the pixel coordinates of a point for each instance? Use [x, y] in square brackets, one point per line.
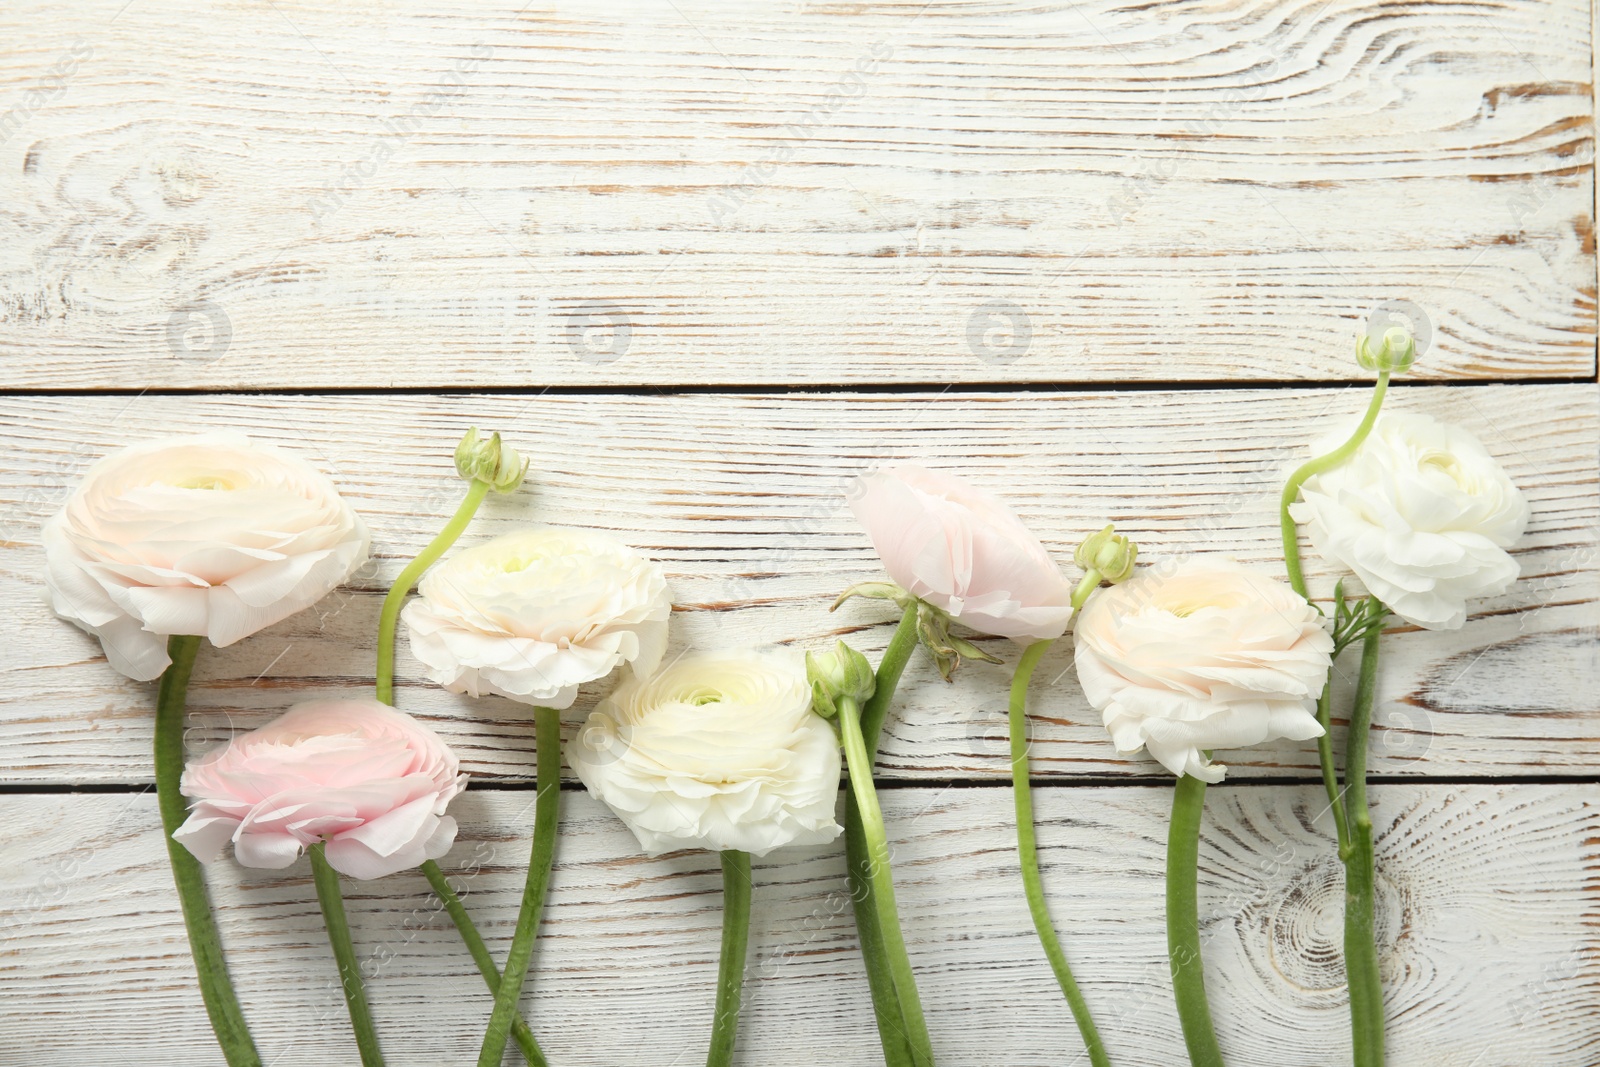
[1294, 935]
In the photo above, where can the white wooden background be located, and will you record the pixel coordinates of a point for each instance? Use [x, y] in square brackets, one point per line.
[704, 261]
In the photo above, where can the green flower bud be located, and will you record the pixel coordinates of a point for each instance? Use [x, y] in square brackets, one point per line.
[1109, 554]
[1396, 352]
[843, 674]
[488, 460]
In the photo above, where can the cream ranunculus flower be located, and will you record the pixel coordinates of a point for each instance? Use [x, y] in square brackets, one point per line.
[1422, 514]
[1208, 655]
[534, 614]
[714, 751]
[210, 535]
[962, 550]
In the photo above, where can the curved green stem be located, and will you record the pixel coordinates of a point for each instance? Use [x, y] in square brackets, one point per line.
[1360, 939]
[388, 621]
[890, 668]
[1330, 778]
[1028, 854]
[894, 945]
[736, 886]
[1183, 923]
[205, 944]
[1311, 468]
[389, 618]
[355, 994]
[547, 813]
[880, 979]
[480, 955]
[1291, 559]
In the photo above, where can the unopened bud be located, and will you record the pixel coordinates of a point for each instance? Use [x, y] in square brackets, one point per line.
[843, 674]
[1394, 352]
[487, 459]
[1109, 554]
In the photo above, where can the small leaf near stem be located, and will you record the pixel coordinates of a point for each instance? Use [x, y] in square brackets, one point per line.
[389, 617]
[1183, 923]
[736, 887]
[1028, 853]
[860, 768]
[547, 814]
[205, 943]
[355, 994]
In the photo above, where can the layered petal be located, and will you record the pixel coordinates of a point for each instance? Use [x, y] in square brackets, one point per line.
[208, 535]
[717, 752]
[963, 551]
[1201, 656]
[1422, 514]
[534, 614]
[371, 782]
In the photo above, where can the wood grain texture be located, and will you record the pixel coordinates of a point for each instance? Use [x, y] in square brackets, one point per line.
[1491, 951]
[741, 499]
[449, 194]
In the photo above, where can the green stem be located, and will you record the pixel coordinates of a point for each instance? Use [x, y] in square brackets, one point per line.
[389, 618]
[894, 945]
[480, 955]
[547, 813]
[205, 944]
[1330, 779]
[1029, 856]
[736, 887]
[880, 979]
[1291, 558]
[1313, 467]
[1360, 940]
[890, 668]
[1183, 923]
[355, 995]
[388, 621]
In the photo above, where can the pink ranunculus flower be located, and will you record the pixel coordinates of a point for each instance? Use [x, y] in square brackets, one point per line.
[963, 551]
[369, 780]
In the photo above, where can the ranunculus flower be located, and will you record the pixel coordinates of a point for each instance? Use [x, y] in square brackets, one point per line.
[369, 780]
[535, 614]
[210, 535]
[1422, 514]
[714, 751]
[1209, 655]
[963, 551]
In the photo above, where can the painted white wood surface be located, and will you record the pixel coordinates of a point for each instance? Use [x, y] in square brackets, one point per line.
[417, 193]
[1487, 926]
[285, 194]
[741, 498]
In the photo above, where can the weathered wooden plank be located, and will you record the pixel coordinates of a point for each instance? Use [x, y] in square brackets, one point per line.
[440, 194]
[1487, 919]
[740, 497]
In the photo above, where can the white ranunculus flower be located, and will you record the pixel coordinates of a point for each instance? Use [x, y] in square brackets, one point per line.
[714, 751]
[534, 614]
[1208, 655]
[1422, 514]
[210, 535]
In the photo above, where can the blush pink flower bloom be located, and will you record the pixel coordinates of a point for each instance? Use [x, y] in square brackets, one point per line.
[370, 781]
[212, 535]
[963, 551]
